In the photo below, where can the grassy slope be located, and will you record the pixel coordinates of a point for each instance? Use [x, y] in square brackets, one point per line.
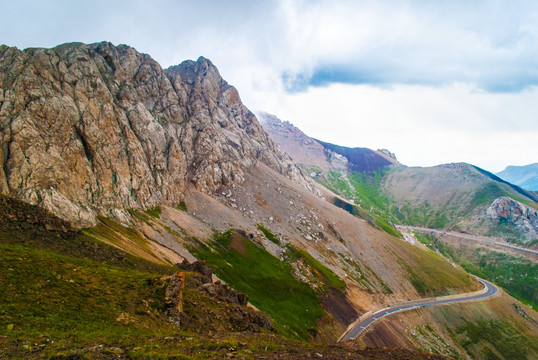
[363, 189]
[492, 332]
[270, 283]
[516, 275]
[65, 295]
[430, 274]
[470, 191]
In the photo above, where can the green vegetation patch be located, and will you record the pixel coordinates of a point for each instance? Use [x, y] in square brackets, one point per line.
[75, 299]
[154, 212]
[424, 214]
[374, 220]
[182, 206]
[384, 225]
[367, 185]
[320, 271]
[487, 194]
[504, 338]
[430, 274]
[293, 305]
[426, 239]
[515, 274]
[268, 234]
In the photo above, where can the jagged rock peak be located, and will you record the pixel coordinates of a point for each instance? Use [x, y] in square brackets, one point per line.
[94, 129]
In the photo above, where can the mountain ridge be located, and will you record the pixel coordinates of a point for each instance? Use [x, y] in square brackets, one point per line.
[323, 154]
[146, 156]
[456, 196]
[525, 176]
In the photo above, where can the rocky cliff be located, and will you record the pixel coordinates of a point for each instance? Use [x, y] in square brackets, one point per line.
[89, 130]
[522, 217]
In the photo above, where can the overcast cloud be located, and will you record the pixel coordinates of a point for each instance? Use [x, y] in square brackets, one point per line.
[434, 82]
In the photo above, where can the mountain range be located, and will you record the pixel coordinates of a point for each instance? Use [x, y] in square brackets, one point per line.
[524, 176]
[455, 196]
[117, 173]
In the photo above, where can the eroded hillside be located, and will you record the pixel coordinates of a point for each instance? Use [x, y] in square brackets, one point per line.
[169, 166]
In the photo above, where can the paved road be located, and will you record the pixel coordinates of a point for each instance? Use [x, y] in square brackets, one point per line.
[470, 237]
[358, 328]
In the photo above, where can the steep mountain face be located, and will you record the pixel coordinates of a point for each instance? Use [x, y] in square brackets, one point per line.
[318, 155]
[523, 176]
[95, 129]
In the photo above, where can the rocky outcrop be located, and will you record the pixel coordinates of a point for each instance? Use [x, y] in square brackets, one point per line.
[239, 316]
[197, 266]
[90, 130]
[224, 293]
[17, 215]
[524, 218]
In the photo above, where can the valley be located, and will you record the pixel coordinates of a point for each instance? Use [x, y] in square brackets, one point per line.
[117, 174]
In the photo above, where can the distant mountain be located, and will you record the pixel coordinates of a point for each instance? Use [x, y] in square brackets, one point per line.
[450, 196]
[462, 197]
[315, 154]
[524, 176]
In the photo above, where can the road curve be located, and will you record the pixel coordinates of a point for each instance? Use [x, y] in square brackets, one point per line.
[488, 291]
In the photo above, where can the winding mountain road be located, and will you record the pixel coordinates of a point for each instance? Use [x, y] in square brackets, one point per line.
[356, 329]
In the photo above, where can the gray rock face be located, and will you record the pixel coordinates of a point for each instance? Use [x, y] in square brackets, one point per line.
[521, 216]
[95, 129]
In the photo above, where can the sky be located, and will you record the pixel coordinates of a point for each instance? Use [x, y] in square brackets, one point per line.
[432, 81]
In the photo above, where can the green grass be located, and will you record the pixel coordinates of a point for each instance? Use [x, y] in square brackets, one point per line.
[374, 220]
[320, 271]
[63, 293]
[270, 283]
[516, 275]
[76, 299]
[56, 305]
[430, 274]
[384, 225]
[426, 239]
[425, 215]
[182, 206]
[367, 188]
[504, 338]
[268, 234]
[154, 212]
[364, 188]
[487, 194]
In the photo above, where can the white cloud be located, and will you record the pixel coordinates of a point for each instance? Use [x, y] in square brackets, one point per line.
[422, 125]
[460, 67]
